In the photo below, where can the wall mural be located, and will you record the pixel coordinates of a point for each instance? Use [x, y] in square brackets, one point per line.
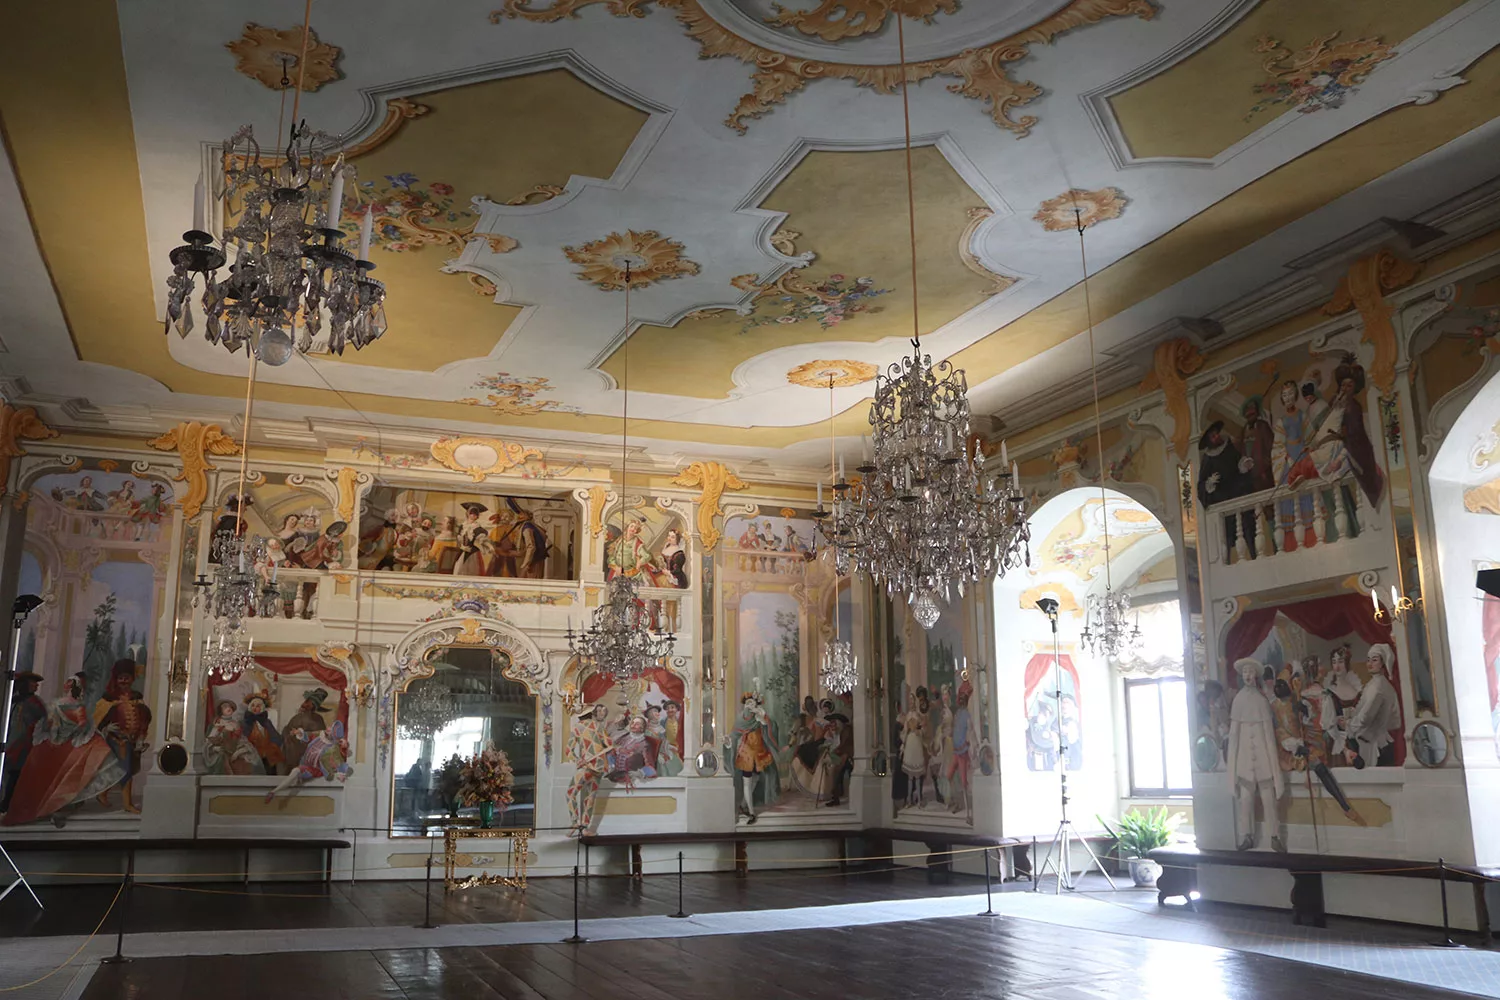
[652, 547]
[791, 749]
[467, 534]
[642, 721]
[934, 720]
[96, 551]
[265, 720]
[1331, 655]
[1299, 424]
[1053, 700]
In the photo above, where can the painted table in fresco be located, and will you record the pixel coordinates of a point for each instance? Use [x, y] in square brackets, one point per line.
[515, 874]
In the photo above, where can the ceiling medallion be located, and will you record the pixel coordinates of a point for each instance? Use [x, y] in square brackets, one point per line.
[822, 374]
[515, 395]
[834, 20]
[981, 73]
[270, 56]
[1077, 207]
[646, 256]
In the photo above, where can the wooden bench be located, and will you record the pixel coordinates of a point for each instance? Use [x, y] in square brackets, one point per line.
[740, 838]
[1180, 865]
[129, 847]
[940, 846]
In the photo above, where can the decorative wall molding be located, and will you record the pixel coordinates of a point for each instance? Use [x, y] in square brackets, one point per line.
[348, 481]
[16, 424]
[1364, 288]
[481, 457]
[1171, 363]
[194, 442]
[713, 479]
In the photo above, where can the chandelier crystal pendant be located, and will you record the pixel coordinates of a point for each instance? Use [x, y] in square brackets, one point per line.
[838, 671]
[426, 708]
[620, 640]
[927, 519]
[232, 593]
[284, 246]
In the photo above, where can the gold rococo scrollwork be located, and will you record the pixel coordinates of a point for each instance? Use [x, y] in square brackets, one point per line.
[505, 455]
[348, 481]
[713, 478]
[981, 72]
[17, 423]
[194, 442]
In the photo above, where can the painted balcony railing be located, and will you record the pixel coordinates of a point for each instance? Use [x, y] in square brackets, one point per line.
[114, 526]
[663, 608]
[1315, 512]
[769, 562]
[299, 593]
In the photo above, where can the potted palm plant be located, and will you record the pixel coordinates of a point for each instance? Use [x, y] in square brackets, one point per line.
[1137, 834]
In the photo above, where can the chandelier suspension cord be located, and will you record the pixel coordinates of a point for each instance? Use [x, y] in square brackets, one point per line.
[302, 62]
[239, 493]
[832, 479]
[1094, 373]
[911, 196]
[625, 409]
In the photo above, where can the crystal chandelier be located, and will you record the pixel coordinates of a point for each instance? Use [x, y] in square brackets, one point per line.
[838, 671]
[227, 652]
[281, 221]
[1105, 629]
[426, 707]
[231, 594]
[619, 641]
[925, 517]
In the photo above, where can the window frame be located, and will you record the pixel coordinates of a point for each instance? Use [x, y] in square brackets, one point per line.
[1137, 792]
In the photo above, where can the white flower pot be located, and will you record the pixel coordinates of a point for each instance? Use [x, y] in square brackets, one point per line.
[1143, 871]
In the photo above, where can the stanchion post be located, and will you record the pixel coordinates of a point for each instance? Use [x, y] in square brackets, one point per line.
[427, 924]
[1447, 941]
[680, 914]
[989, 903]
[118, 958]
[577, 938]
[1034, 878]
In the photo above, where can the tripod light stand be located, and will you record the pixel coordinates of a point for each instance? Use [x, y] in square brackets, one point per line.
[25, 605]
[1059, 852]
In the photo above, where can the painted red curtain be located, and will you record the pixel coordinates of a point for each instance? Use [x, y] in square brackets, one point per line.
[286, 666]
[596, 685]
[1491, 625]
[1039, 671]
[1325, 617]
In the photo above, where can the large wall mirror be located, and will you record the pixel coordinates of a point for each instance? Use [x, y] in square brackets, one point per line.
[465, 703]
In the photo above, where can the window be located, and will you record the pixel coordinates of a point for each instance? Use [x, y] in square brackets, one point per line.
[1156, 727]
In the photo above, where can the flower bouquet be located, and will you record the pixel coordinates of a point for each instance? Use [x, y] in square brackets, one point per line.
[448, 783]
[485, 779]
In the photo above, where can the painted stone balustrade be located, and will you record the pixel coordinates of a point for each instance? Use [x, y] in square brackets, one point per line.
[1285, 519]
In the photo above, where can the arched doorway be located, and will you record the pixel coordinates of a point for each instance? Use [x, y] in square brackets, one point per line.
[1118, 726]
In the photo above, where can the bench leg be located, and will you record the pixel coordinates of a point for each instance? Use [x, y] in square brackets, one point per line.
[1307, 900]
[245, 868]
[939, 866]
[843, 855]
[1482, 914]
[1176, 882]
[741, 859]
[637, 863]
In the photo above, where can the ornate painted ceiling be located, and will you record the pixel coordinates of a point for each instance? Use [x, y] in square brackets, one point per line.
[749, 153]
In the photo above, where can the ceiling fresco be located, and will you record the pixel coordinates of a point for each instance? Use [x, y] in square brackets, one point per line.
[747, 153]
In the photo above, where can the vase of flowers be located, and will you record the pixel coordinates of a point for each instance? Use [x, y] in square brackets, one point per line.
[485, 780]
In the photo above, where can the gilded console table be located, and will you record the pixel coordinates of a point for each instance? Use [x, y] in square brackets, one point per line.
[515, 874]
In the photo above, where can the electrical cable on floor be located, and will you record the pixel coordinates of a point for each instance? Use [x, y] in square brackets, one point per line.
[76, 952]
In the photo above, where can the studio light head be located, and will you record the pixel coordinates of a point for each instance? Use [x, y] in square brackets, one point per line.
[25, 605]
[1048, 607]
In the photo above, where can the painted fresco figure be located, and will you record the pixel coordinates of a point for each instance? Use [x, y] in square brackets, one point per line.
[1340, 693]
[326, 757]
[1378, 713]
[754, 738]
[1252, 758]
[522, 542]
[1222, 475]
[1292, 463]
[27, 712]
[673, 558]
[957, 772]
[443, 553]
[1342, 444]
[1299, 743]
[309, 718]
[225, 749]
[125, 727]
[262, 734]
[589, 748]
[1041, 736]
[69, 762]
[914, 748]
[470, 561]
[630, 758]
[628, 555]
[840, 756]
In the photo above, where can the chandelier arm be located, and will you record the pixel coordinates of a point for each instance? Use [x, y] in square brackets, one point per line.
[911, 196]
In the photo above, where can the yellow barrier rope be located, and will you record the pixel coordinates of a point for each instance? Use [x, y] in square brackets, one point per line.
[79, 950]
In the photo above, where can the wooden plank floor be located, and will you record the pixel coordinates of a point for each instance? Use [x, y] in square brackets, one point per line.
[954, 959]
[75, 909]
